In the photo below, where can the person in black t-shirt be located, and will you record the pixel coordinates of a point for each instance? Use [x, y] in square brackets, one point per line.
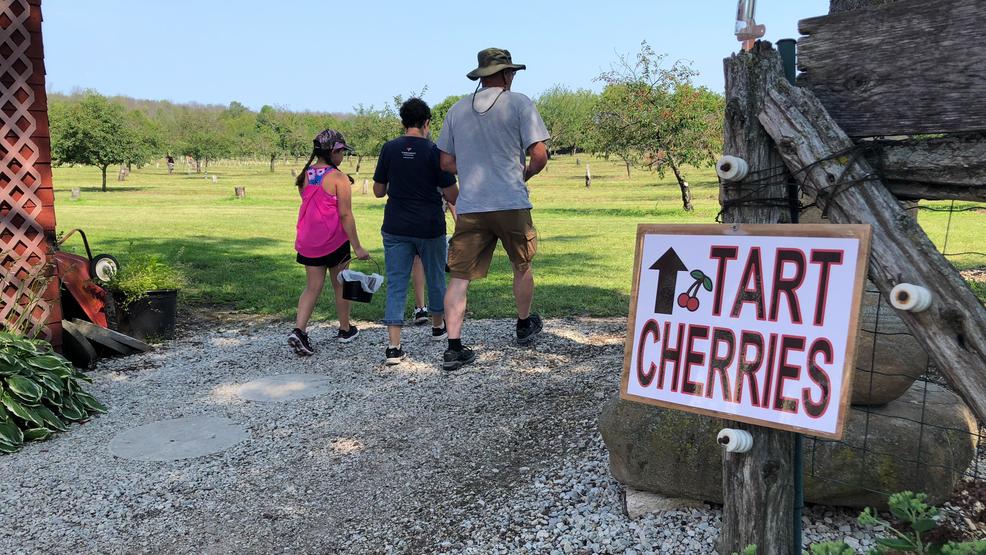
[408, 173]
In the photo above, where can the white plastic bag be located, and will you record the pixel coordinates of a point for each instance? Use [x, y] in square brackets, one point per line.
[370, 283]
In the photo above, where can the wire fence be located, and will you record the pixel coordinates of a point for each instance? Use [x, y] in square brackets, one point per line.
[907, 429]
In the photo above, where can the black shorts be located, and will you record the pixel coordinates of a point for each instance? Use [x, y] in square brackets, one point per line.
[331, 260]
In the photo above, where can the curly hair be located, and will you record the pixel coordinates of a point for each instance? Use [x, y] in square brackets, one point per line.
[414, 113]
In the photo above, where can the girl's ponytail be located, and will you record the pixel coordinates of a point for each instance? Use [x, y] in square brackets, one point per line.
[300, 180]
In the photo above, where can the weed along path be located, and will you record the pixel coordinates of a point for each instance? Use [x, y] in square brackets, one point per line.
[338, 454]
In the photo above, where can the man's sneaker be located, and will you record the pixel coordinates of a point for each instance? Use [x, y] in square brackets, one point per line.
[453, 360]
[300, 343]
[437, 334]
[347, 336]
[421, 316]
[395, 355]
[527, 333]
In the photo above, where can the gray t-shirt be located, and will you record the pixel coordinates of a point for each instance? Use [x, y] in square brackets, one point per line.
[490, 148]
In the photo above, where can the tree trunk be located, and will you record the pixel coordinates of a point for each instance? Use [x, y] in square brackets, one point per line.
[758, 486]
[273, 159]
[627, 162]
[359, 160]
[686, 193]
[104, 176]
[198, 166]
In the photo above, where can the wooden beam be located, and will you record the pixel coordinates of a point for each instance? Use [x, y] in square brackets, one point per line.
[900, 68]
[838, 6]
[945, 168]
[953, 329]
[758, 486]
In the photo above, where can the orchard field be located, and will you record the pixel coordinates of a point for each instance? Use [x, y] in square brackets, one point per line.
[239, 254]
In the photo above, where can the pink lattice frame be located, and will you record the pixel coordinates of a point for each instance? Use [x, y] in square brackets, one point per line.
[26, 199]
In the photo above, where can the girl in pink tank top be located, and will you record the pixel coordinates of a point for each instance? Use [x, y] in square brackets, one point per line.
[326, 230]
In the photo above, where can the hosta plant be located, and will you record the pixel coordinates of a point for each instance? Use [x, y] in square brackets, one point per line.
[39, 392]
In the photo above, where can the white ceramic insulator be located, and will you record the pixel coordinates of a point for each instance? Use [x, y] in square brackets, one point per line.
[910, 297]
[735, 441]
[732, 168]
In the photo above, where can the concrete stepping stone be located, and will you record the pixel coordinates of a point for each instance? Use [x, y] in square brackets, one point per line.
[180, 438]
[285, 387]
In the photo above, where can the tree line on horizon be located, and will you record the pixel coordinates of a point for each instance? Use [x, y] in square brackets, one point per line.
[646, 115]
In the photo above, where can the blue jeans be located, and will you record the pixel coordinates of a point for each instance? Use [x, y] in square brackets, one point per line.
[398, 252]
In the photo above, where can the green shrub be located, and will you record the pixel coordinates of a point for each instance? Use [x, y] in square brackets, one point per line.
[917, 522]
[142, 273]
[39, 392]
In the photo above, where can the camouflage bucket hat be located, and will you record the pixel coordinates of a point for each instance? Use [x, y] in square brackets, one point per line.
[330, 139]
[493, 60]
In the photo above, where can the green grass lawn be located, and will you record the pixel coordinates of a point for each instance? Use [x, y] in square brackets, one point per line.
[240, 255]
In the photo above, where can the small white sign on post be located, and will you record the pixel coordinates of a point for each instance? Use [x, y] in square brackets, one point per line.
[755, 323]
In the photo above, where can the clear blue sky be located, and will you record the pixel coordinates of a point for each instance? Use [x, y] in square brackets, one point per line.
[330, 56]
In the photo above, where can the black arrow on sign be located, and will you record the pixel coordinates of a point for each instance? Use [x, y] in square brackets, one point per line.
[668, 265]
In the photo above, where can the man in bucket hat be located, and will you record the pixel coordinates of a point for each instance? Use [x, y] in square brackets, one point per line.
[486, 139]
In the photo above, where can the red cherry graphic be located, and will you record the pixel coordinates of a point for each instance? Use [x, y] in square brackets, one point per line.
[693, 304]
[683, 300]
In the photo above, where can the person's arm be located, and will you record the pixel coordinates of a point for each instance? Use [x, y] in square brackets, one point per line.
[451, 195]
[538, 159]
[451, 205]
[447, 163]
[344, 196]
[381, 173]
[379, 189]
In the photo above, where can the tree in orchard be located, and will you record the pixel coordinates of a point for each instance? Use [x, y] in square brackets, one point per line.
[202, 136]
[647, 108]
[93, 131]
[616, 132]
[438, 113]
[568, 116]
[241, 129]
[368, 130]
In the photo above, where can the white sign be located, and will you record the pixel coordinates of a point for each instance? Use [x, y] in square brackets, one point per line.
[755, 323]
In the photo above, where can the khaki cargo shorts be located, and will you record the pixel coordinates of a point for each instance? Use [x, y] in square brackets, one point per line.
[470, 250]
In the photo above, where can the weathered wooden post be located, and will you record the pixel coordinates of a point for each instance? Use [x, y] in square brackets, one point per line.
[366, 186]
[588, 177]
[240, 192]
[76, 193]
[758, 486]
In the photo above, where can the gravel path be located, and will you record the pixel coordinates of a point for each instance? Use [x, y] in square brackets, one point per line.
[501, 457]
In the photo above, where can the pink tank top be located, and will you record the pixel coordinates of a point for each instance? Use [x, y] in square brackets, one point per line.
[320, 231]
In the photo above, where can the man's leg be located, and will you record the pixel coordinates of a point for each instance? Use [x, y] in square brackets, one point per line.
[524, 291]
[455, 307]
[519, 237]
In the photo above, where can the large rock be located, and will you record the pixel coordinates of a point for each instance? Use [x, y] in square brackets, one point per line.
[897, 357]
[675, 454]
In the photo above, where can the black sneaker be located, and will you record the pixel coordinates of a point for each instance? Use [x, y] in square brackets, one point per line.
[527, 333]
[347, 336]
[300, 343]
[421, 316]
[437, 334]
[395, 355]
[453, 360]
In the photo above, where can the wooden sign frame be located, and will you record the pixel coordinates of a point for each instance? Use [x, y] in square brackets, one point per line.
[861, 232]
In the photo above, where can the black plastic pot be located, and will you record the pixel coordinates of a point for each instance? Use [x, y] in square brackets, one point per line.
[152, 316]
